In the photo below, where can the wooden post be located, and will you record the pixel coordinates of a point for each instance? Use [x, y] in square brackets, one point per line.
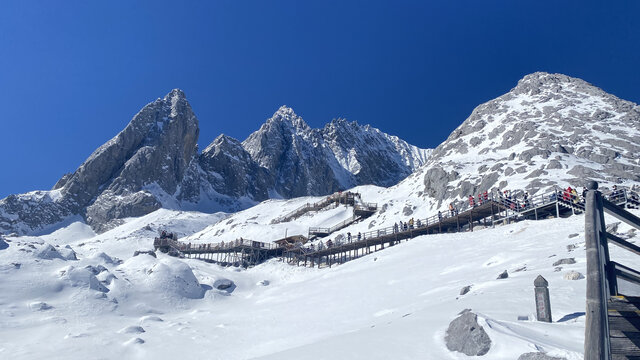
[543, 305]
[596, 340]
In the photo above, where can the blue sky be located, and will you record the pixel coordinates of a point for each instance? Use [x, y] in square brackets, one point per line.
[73, 73]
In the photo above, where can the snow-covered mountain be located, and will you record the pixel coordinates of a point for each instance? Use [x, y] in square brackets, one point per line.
[94, 293]
[154, 163]
[551, 129]
[306, 161]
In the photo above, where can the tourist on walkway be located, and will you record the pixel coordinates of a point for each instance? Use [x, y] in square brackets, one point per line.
[451, 209]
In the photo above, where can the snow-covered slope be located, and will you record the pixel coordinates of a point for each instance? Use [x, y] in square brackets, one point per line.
[112, 303]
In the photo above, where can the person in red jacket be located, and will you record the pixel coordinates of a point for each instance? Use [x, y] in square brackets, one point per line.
[472, 202]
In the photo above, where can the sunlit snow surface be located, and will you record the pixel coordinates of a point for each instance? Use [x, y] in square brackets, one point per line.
[393, 304]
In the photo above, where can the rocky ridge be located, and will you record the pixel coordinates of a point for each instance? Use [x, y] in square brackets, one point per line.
[154, 163]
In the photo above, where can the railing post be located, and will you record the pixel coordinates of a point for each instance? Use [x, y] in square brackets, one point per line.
[596, 341]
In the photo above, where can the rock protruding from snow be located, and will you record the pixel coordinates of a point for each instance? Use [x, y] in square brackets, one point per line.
[465, 290]
[573, 275]
[538, 356]
[566, 261]
[503, 275]
[224, 284]
[465, 335]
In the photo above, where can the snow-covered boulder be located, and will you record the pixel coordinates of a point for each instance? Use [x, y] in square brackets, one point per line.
[573, 275]
[165, 277]
[47, 252]
[103, 258]
[82, 277]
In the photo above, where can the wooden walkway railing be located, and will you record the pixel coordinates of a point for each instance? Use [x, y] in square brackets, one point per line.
[612, 326]
[347, 197]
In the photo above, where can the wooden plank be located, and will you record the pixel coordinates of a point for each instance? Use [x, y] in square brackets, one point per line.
[624, 357]
[624, 323]
[625, 346]
[622, 303]
[631, 335]
[621, 214]
[623, 243]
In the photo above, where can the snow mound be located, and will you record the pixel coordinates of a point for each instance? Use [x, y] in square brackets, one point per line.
[48, 252]
[132, 330]
[165, 277]
[82, 278]
[3, 244]
[106, 259]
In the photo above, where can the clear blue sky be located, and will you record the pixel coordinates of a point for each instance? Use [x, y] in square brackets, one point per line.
[73, 73]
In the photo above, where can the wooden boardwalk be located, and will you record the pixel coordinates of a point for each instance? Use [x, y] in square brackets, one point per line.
[612, 324]
[486, 213]
[624, 327]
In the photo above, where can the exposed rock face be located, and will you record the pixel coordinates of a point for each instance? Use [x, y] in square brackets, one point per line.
[549, 130]
[467, 336]
[305, 161]
[127, 176]
[229, 169]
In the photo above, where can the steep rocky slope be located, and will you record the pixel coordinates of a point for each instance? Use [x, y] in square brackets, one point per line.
[343, 154]
[549, 130]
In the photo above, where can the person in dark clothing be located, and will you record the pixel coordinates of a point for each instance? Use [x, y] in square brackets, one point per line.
[584, 194]
[439, 215]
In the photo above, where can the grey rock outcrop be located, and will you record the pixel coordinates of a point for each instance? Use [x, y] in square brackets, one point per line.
[503, 275]
[567, 261]
[537, 356]
[465, 335]
[230, 170]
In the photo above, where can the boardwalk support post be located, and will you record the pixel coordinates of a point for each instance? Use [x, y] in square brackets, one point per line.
[596, 341]
[543, 305]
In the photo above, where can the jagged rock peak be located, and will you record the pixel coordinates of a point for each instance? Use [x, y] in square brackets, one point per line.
[222, 142]
[286, 115]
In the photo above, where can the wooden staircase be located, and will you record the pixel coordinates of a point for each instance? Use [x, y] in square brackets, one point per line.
[624, 327]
